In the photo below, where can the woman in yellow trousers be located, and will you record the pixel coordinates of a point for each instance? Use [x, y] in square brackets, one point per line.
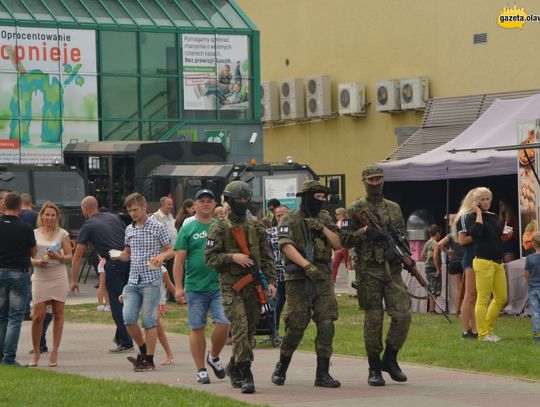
[488, 265]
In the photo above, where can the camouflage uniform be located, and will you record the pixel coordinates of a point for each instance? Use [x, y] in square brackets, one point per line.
[243, 308]
[323, 308]
[377, 278]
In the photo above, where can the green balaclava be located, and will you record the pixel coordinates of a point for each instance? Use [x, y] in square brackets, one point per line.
[374, 192]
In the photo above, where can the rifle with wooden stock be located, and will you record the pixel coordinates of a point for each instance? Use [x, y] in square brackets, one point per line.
[397, 248]
[237, 233]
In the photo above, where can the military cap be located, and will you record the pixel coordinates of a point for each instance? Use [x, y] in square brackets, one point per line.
[371, 171]
[313, 186]
[237, 189]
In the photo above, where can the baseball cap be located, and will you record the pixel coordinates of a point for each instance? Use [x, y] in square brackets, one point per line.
[202, 192]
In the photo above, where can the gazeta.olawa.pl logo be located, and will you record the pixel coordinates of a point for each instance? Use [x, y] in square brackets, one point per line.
[515, 17]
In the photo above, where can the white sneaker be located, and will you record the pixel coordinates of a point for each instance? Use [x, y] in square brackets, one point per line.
[100, 308]
[491, 338]
[107, 308]
[202, 376]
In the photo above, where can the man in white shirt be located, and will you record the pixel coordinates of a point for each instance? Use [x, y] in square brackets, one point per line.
[164, 216]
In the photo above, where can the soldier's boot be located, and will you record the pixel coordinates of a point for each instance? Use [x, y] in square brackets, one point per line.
[279, 375]
[390, 365]
[322, 375]
[234, 374]
[375, 375]
[248, 385]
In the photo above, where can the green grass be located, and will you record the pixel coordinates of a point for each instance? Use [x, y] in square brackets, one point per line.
[31, 387]
[431, 341]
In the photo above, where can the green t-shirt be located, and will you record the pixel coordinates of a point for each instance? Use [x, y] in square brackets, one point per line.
[198, 276]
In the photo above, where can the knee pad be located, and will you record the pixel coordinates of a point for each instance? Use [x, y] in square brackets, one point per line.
[326, 331]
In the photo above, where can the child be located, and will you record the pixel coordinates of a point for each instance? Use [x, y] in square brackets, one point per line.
[102, 294]
[532, 275]
[166, 284]
[433, 276]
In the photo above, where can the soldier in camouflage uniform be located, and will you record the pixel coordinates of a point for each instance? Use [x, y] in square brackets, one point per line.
[378, 278]
[223, 254]
[309, 288]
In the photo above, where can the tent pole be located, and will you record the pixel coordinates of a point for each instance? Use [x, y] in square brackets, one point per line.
[447, 231]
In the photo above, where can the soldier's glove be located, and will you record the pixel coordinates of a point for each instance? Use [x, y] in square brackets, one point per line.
[409, 267]
[373, 234]
[312, 272]
[314, 224]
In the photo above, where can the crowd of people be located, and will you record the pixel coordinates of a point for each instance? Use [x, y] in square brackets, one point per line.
[225, 264]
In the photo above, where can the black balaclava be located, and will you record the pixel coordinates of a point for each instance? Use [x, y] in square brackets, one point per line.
[311, 204]
[238, 208]
[374, 192]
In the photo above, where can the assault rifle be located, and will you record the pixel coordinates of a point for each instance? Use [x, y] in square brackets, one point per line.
[237, 232]
[397, 248]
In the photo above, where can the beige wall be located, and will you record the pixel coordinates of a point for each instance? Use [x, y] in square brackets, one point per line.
[366, 41]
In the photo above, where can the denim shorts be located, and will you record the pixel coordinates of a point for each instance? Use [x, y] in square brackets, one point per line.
[468, 255]
[143, 297]
[199, 303]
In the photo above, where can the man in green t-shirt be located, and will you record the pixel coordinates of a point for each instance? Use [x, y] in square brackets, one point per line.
[201, 288]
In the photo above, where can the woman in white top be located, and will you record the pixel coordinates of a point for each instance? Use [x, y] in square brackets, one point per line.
[50, 280]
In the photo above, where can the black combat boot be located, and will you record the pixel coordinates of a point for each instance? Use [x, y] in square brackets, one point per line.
[248, 386]
[279, 375]
[389, 364]
[375, 375]
[322, 376]
[232, 371]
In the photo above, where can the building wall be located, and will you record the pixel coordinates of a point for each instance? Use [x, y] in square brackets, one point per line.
[354, 40]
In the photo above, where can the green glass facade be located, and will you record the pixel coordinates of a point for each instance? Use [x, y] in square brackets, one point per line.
[143, 90]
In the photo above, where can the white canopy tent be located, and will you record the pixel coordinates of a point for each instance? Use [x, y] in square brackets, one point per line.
[496, 127]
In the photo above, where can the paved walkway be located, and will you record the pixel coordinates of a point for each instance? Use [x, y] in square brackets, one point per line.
[84, 351]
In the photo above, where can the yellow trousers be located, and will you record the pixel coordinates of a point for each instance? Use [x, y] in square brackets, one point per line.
[490, 278]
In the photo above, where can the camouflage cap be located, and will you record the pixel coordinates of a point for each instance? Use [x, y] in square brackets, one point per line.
[313, 186]
[371, 171]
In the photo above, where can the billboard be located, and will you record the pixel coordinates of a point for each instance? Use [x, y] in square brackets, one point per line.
[48, 92]
[216, 72]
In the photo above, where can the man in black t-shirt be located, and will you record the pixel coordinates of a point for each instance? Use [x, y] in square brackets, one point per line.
[105, 231]
[17, 245]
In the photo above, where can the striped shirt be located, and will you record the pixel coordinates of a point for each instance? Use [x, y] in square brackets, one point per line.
[145, 243]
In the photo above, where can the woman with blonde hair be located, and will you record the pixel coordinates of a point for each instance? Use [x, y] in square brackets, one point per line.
[484, 228]
[462, 236]
[50, 280]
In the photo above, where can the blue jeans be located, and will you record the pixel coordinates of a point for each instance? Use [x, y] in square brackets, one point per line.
[534, 302]
[144, 298]
[14, 286]
[116, 277]
[199, 303]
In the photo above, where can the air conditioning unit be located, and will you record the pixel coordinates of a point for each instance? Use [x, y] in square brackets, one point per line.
[269, 101]
[388, 98]
[292, 99]
[318, 96]
[352, 98]
[414, 93]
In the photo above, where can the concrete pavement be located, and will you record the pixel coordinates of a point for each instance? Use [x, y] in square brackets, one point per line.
[84, 352]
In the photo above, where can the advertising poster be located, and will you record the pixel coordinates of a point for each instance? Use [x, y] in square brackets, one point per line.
[216, 72]
[282, 188]
[528, 186]
[48, 92]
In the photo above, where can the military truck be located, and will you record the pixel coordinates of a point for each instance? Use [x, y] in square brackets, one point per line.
[268, 180]
[65, 186]
[179, 168]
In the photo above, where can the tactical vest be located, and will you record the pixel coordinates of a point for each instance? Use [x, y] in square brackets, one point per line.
[322, 252]
[368, 250]
[232, 247]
